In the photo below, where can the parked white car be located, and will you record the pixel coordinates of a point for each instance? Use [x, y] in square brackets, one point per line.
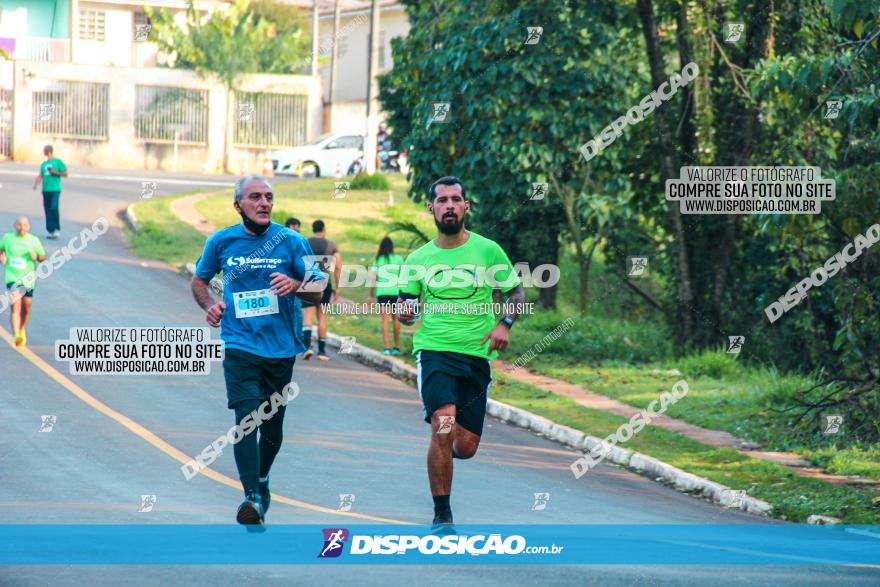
[328, 155]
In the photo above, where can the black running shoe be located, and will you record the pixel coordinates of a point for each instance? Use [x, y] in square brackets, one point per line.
[443, 523]
[251, 510]
[265, 496]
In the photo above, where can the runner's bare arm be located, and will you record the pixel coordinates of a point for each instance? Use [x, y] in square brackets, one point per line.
[338, 271]
[38, 180]
[515, 301]
[406, 311]
[202, 295]
[499, 336]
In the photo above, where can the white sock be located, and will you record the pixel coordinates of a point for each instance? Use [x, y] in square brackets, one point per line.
[264, 479]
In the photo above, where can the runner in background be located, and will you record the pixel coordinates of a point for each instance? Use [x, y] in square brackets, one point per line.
[383, 288]
[294, 224]
[327, 254]
[20, 252]
[51, 172]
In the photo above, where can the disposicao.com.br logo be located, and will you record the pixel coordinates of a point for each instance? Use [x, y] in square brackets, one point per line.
[402, 544]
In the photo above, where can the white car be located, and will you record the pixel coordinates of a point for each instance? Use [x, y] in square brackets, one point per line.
[328, 155]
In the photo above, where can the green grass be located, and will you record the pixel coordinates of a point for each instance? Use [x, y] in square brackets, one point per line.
[852, 460]
[793, 497]
[162, 236]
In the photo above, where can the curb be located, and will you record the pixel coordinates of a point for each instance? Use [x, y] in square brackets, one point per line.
[130, 217]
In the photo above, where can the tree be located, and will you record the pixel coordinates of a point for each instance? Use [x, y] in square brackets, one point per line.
[227, 45]
[518, 111]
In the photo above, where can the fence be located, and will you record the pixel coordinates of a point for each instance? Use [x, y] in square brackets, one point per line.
[163, 112]
[157, 118]
[6, 123]
[40, 49]
[270, 120]
[77, 110]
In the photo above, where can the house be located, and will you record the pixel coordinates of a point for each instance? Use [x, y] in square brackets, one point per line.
[109, 32]
[346, 111]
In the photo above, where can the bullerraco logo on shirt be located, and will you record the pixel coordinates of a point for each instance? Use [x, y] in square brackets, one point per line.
[254, 262]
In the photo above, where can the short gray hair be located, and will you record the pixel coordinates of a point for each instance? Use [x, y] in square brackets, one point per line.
[239, 185]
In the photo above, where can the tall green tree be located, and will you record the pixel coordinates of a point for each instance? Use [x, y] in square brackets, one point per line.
[261, 38]
[519, 111]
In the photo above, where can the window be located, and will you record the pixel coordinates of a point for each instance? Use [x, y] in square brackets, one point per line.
[91, 25]
[381, 50]
[351, 142]
[140, 18]
[142, 26]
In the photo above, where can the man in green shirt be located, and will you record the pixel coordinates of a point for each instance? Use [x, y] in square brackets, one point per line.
[456, 274]
[51, 172]
[20, 252]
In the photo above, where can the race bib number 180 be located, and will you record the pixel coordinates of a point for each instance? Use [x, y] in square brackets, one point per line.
[259, 302]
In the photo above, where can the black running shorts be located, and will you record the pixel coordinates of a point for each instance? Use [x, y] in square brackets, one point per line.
[252, 377]
[28, 293]
[453, 378]
[325, 298]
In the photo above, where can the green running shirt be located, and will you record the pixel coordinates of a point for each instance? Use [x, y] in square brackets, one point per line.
[387, 269]
[52, 183]
[456, 286]
[18, 257]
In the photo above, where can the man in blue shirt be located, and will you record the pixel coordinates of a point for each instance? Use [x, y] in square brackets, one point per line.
[264, 266]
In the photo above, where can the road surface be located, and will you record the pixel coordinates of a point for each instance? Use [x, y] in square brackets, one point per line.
[352, 430]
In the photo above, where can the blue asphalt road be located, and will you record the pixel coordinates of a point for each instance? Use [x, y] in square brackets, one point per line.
[351, 431]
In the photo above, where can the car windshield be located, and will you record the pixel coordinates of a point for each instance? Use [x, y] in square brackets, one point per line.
[318, 140]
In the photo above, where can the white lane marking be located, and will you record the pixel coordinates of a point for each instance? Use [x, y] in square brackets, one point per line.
[127, 178]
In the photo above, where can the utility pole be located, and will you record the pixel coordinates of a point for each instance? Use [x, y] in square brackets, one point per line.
[334, 56]
[372, 92]
[314, 37]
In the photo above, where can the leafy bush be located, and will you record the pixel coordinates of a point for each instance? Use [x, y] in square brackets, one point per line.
[716, 364]
[593, 339]
[377, 181]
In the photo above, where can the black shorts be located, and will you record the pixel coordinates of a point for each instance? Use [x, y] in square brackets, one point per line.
[386, 300]
[453, 378]
[28, 293]
[252, 377]
[325, 299]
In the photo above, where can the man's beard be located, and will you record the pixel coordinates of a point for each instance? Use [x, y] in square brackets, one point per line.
[251, 225]
[449, 228]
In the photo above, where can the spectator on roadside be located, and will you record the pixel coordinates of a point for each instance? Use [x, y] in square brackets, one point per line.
[294, 224]
[51, 172]
[385, 271]
[327, 254]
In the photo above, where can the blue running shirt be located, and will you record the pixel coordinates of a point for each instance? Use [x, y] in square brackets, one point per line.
[255, 320]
